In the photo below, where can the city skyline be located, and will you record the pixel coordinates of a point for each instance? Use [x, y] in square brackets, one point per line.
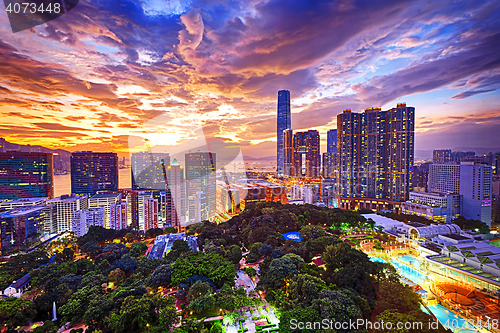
[173, 73]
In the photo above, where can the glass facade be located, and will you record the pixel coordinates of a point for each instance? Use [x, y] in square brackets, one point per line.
[26, 175]
[201, 183]
[283, 123]
[92, 172]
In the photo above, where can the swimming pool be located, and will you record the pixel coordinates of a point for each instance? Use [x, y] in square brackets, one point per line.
[409, 272]
[449, 319]
[377, 259]
[410, 259]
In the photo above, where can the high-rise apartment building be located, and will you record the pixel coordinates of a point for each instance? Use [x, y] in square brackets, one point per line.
[92, 172]
[476, 190]
[329, 165]
[283, 123]
[444, 178]
[200, 177]
[148, 170]
[420, 177]
[83, 219]
[150, 214]
[66, 205]
[303, 154]
[375, 153]
[441, 156]
[331, 141]
[176, 186]
[26, 175]
[132, 200]
[105, 200]
[118, 215]
[458, 156]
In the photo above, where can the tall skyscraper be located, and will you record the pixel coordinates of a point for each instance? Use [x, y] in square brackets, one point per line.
[331, 141]
[444, 178]
[329, 165]
[200, 177]
[375, 155]
[176, 208]
[306, 144]
[26, 175]
[476, 190]
[288, 161]
[148, 170]
[283, 123]
[66, 205]
[441, 156]
[132, 200]
[92, 172]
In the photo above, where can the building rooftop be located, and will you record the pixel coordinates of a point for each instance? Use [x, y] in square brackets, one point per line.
[24, 200]
[457, 237]
[21, 282]
[67, 198]
[416, 224]
[23, 210]
[105, 195]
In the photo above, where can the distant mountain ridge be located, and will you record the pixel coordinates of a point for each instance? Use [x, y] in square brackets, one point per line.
[61, 160]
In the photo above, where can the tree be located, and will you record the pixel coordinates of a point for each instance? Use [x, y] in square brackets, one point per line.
[198, 289]
[168, 315]
[117, 276]
[335, 304]
[137, 249]
[251, 272]
[303, 289]
[15, 311]
[280, 270]
[289, 320]
[203, 303]
[474, 225]
[211, 265]
[161, 276]
[66, 255]
[234, 254]
[217, 328]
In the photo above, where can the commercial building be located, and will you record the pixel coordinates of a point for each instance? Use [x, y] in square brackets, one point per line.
[26, 175]
[175, 201]
[66, 205]
[83, 219]
[201, 177]
[21, 228]
[329, 165]
[15, 203]
[420, 177]
[92, 172]
[331, 141]
[458, 156]
[375, 153]
[118, 215]
[476, 190]
[283, 123]
[105, 200]
[435, 206]
[444, 178]
[441, 156]
[163, 244]
[148, 170]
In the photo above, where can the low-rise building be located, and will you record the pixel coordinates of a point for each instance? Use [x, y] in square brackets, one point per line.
[436, 206]
[84, 218]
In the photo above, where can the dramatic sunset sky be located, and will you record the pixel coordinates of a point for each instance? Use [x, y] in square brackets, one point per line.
[111, 72]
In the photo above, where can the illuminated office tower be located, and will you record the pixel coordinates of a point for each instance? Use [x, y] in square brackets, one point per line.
[22, 227]
[118, 215]
[200, 177]
[148, 170]
[441, 156]
[476, 190]
[306, 155]
[66, 205]
[142, 197]
[375, 153]
[92, 172]
[283, 123]
[26, 175]
[150, 214]
[83, 219]
[444, 178]
[176, 206]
